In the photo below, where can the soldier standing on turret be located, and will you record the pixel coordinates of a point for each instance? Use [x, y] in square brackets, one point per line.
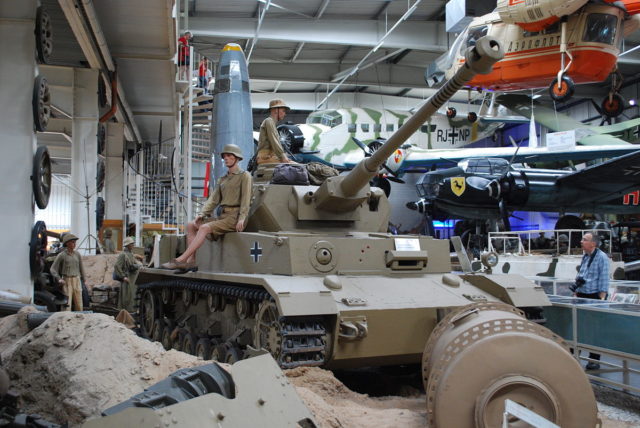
[232, 197]
[67, 270]
[269, 147]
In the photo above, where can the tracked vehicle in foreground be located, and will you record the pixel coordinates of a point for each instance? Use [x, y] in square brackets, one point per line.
[316, 281]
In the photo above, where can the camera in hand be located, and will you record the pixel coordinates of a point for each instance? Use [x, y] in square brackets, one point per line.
[579, 283]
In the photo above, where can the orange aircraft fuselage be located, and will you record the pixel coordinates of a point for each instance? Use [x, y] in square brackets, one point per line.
[532, 60]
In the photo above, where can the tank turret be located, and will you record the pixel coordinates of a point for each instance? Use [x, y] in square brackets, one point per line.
[315, 280]
[347, 202]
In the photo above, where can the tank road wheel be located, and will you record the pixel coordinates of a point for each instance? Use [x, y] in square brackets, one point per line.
[233, 355]
[216, 302]
[485, 353]
[158, 328]
[243, 308]
[189, 341]
[167, 295]
[219, 352]
[166, 337]
[203, 349]
[266, 332]
[41, 177]
[148, 312]
[564, 92]
[187, 296]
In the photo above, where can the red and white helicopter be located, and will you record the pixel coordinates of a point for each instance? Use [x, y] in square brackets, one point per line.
[555, 43]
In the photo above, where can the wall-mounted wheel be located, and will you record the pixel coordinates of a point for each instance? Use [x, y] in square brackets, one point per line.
[99, 212]
[44, 35]
[613, 107]
[100, 175]
[41, 177]
[41, 104]
[562, 92]
[37, 248]
[101, 137]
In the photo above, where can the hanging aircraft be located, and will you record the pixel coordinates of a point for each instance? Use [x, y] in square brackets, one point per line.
[490, 188]
[559, 45]
[328, 135]
[619, 133]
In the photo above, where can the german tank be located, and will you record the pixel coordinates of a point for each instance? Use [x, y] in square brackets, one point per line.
[315, 280]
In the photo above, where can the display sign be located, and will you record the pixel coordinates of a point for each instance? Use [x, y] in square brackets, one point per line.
[407, 244]
[563, 140]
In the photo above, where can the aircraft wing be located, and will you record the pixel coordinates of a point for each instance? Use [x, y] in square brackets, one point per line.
[522, 105]
[603, 181]
[415, 158]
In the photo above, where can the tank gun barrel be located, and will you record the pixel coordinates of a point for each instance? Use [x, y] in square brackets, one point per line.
[479, 59]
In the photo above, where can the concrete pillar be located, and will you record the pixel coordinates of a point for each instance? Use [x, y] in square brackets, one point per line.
[84, 158]
[114, 179]
[18, 141]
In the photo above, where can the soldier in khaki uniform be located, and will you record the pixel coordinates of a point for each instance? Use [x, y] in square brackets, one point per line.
[68, 271]
[126, 271]
[269, 147]
[232, 196]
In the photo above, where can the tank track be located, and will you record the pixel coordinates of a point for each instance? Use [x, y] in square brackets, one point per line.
[302, 340]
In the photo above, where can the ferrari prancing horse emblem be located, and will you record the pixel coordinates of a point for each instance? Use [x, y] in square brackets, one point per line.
[457, 185]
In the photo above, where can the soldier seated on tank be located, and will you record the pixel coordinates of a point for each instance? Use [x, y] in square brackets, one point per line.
[231, 197]
[269, 148]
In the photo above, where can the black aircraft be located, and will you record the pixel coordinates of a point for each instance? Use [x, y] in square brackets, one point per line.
[491, 188]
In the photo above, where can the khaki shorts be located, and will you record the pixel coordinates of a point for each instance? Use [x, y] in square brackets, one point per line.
[266, 156]
[226, 222]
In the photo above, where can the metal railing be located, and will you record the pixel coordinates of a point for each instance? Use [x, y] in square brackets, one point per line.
[559, 241]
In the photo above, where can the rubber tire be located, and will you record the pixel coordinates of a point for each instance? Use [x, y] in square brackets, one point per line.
[233, 355]
[44, 35]
[615, 108]
[203, 349]
[41, 177]
[157, 330]
[100, 174]
[188, 344]
[219, 353]
[567, 89]
[37, 248]
[41, 112]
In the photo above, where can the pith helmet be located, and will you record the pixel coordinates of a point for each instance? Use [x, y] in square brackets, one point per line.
[278, 103]
[108, 233]
[233, 149]
[69, 237]
[127, 241]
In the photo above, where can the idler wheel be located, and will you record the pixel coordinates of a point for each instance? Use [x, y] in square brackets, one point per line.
[483, 354]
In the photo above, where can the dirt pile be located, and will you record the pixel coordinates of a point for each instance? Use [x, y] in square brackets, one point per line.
[98, 270]
[76, 365]
[334, 405]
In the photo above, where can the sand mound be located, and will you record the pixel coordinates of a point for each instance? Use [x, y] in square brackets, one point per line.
[98, 270]
[334, 405]
[76, 365]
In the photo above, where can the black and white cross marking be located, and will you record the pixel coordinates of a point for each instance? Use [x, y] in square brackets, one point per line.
[256, 252]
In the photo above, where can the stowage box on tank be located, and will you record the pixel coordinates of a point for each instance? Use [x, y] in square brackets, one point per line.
[316, 281]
